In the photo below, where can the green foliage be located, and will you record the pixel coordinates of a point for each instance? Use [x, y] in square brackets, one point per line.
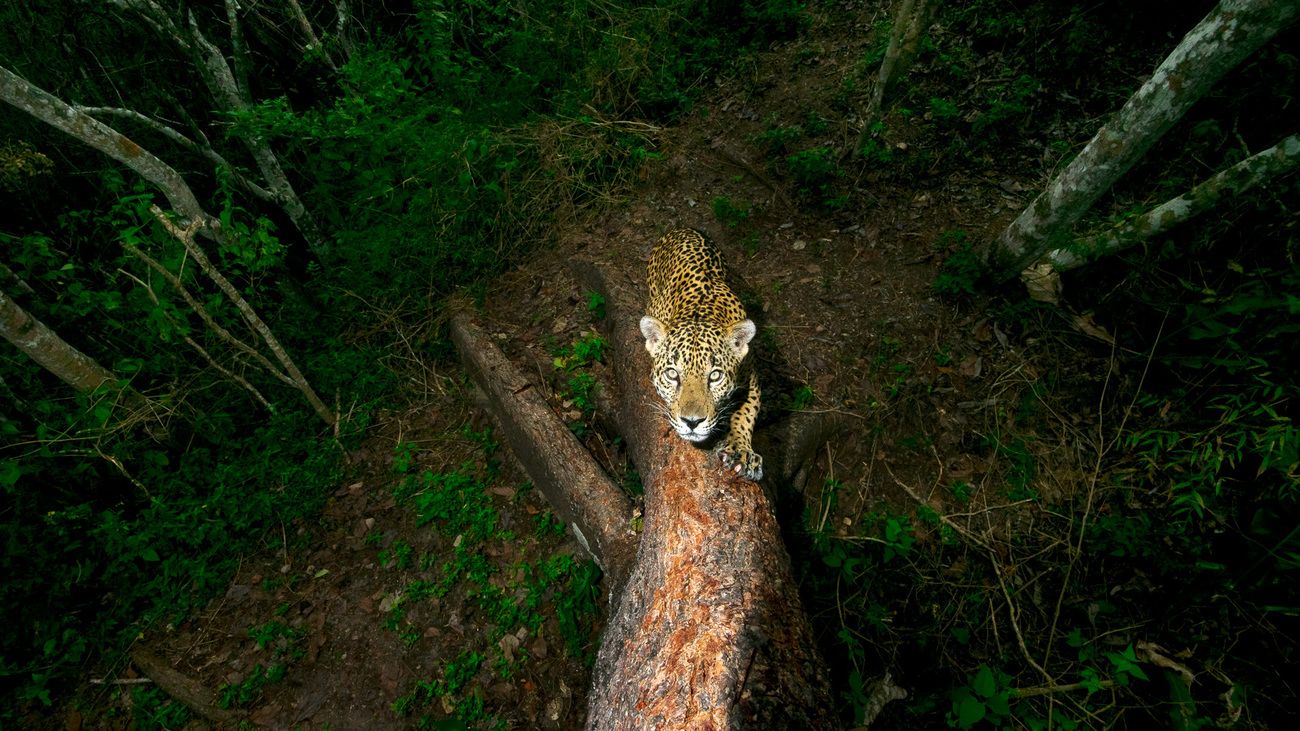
[727, 213]
[775, 138]
[961, 270]
[596, 305]
[815, 170]
[155, 711]
[247, 692]
[586, 350]
[943, 110]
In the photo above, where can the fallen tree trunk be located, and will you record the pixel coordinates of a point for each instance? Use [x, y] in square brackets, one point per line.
[710, 632]
[577, 488]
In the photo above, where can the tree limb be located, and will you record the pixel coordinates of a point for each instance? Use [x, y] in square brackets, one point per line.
[203, 148]
[1228, 34]
[575, 486]
[1282, 157]
[57, 113]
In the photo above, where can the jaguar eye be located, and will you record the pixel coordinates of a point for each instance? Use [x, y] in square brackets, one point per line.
[671, 373]
[715, 376]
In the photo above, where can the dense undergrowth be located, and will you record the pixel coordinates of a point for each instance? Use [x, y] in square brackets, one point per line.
[1122, 550]
[451, 140]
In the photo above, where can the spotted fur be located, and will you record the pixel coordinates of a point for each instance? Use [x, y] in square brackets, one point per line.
[698, 335]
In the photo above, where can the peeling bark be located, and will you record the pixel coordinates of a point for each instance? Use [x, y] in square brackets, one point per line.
[576, 487]
[1256, 169]
[1230, 33]
[710, 633]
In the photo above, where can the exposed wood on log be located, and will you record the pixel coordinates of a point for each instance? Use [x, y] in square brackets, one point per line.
[577, 488]
[197, 697]
[710, 632]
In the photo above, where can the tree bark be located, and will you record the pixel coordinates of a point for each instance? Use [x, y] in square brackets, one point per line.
[53, 353]
[710, 633]
[576, 487]
[59, 114]
[198, 698]
[910, 24]
[1256, 169]
[230, 91]
[1230, 33]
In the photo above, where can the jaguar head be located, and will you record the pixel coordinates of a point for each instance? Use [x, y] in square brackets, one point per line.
[694, 366]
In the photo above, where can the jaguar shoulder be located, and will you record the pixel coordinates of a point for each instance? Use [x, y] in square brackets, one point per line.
[698, 336]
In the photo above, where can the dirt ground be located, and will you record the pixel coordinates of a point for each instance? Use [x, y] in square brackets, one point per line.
[838, 287]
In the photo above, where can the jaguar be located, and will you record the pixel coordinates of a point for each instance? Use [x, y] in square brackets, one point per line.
[698, 335]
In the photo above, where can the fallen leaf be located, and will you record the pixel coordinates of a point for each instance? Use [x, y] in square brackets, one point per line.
[1043, 283]
[1086, 325]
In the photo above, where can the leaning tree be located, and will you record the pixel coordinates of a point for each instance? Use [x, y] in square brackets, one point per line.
[1226, 36]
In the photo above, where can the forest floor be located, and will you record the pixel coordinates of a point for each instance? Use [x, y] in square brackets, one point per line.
[850, 317]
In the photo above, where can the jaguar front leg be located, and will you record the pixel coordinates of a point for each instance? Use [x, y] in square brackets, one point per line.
[735, 449]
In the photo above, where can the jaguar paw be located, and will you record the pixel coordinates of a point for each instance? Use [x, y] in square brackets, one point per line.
[742, 461]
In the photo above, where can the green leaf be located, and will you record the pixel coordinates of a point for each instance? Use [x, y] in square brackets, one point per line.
[984, 683]
[149, 554]
[970, 712]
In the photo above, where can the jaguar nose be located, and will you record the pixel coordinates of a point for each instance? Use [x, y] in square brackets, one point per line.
[691, 423]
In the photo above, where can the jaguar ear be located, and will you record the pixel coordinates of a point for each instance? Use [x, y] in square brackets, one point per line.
[741, 333]
[653, 330]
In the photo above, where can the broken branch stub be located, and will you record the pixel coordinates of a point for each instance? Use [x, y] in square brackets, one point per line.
[710, 632]
[575, 485]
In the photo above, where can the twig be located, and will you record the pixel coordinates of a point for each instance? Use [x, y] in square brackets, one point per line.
[990, 508]
[1012, 611]
[299, 381]
[203, 312]
[120, 681]
[203, 149]
[204, 353]
[1045, 689]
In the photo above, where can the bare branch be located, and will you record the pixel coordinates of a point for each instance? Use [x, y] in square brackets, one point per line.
[187, 239]
[199, 348]
[1254, 170]
[58, 113]
[341, 27]
[202, 312]
[203, 148]
[239, 51]
[1233, 30]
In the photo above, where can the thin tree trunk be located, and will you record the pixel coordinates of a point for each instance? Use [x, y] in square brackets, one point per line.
[57, 113]
[1256, 169]
[230, 90]
[52, 352]
[710, 632]
[910, 24]
[250, 315]
[1230, 33]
